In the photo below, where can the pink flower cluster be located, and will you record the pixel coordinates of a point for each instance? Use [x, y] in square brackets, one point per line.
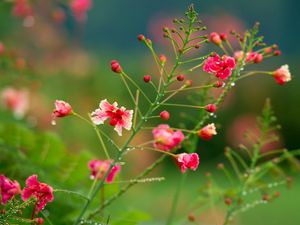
[41, 192]
[99, 168]
[166, 138]
[221, 67]
[118, 117]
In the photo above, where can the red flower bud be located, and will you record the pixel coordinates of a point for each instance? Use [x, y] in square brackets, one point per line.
[141, 37]
[189, 83]
[162, 59]
[228, 201]
[219, 84]
[268, 50]
[115, 66]
[165, 115]
[39, 220]
[223, 37]
[211, 108]
[147, 78]
[258, 58]
[180, 77]
[277, 52]
[215, 38]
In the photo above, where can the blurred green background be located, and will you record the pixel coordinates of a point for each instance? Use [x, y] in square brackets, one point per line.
[71, 62]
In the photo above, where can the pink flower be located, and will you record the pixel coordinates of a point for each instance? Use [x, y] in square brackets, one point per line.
[15, 100]
[215, 38]
[43, 193]
[22, 8]
[80, 8]
[115, 66]
[238, 55]
[187, 161]
[207, 132]
[118, 117]
[282, 75]
[165, 138]
[99, 168]
[221, 67]
[8, 189]
[62, 109]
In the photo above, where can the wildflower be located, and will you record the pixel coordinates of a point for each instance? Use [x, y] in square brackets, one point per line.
[215, 38]
[221, 67]
[43, 193]
[99, 168]
[118, 117]
[147, 78]
[211, 108]
[80, 8]
[187, 161]
[15, 100]
[282, 75]
[8, 189]
[166, 138]
[115, 66]
[62, 109]
[207, 132]
[165, 115]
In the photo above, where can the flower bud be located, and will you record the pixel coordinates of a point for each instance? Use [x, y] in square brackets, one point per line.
[162, 59]
[147, 78]
[115, 66]
[180, 77]
[39, 220]
[141, 37]
[223, 37]
[189, 83]
[277, 52]
[211, 108]
[258, 58]
[268, 50]
[215, 38]
[191, 217]
[165, 115]
[219, 84]
[228, 201]
[282, 75]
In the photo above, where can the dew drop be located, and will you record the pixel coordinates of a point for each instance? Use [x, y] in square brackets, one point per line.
[232, 84]
[53, 122]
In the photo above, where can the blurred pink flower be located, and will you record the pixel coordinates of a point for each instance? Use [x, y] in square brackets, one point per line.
[207, 132]
[42, 192]
[8, 189]
[187, 161]
[22, 8]
[118, 117]
[99, 168]
[282, 75]
[221, 67]
[166, 138]
[247, 124]
[215, 38]
[80, 8]
[15, 100]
